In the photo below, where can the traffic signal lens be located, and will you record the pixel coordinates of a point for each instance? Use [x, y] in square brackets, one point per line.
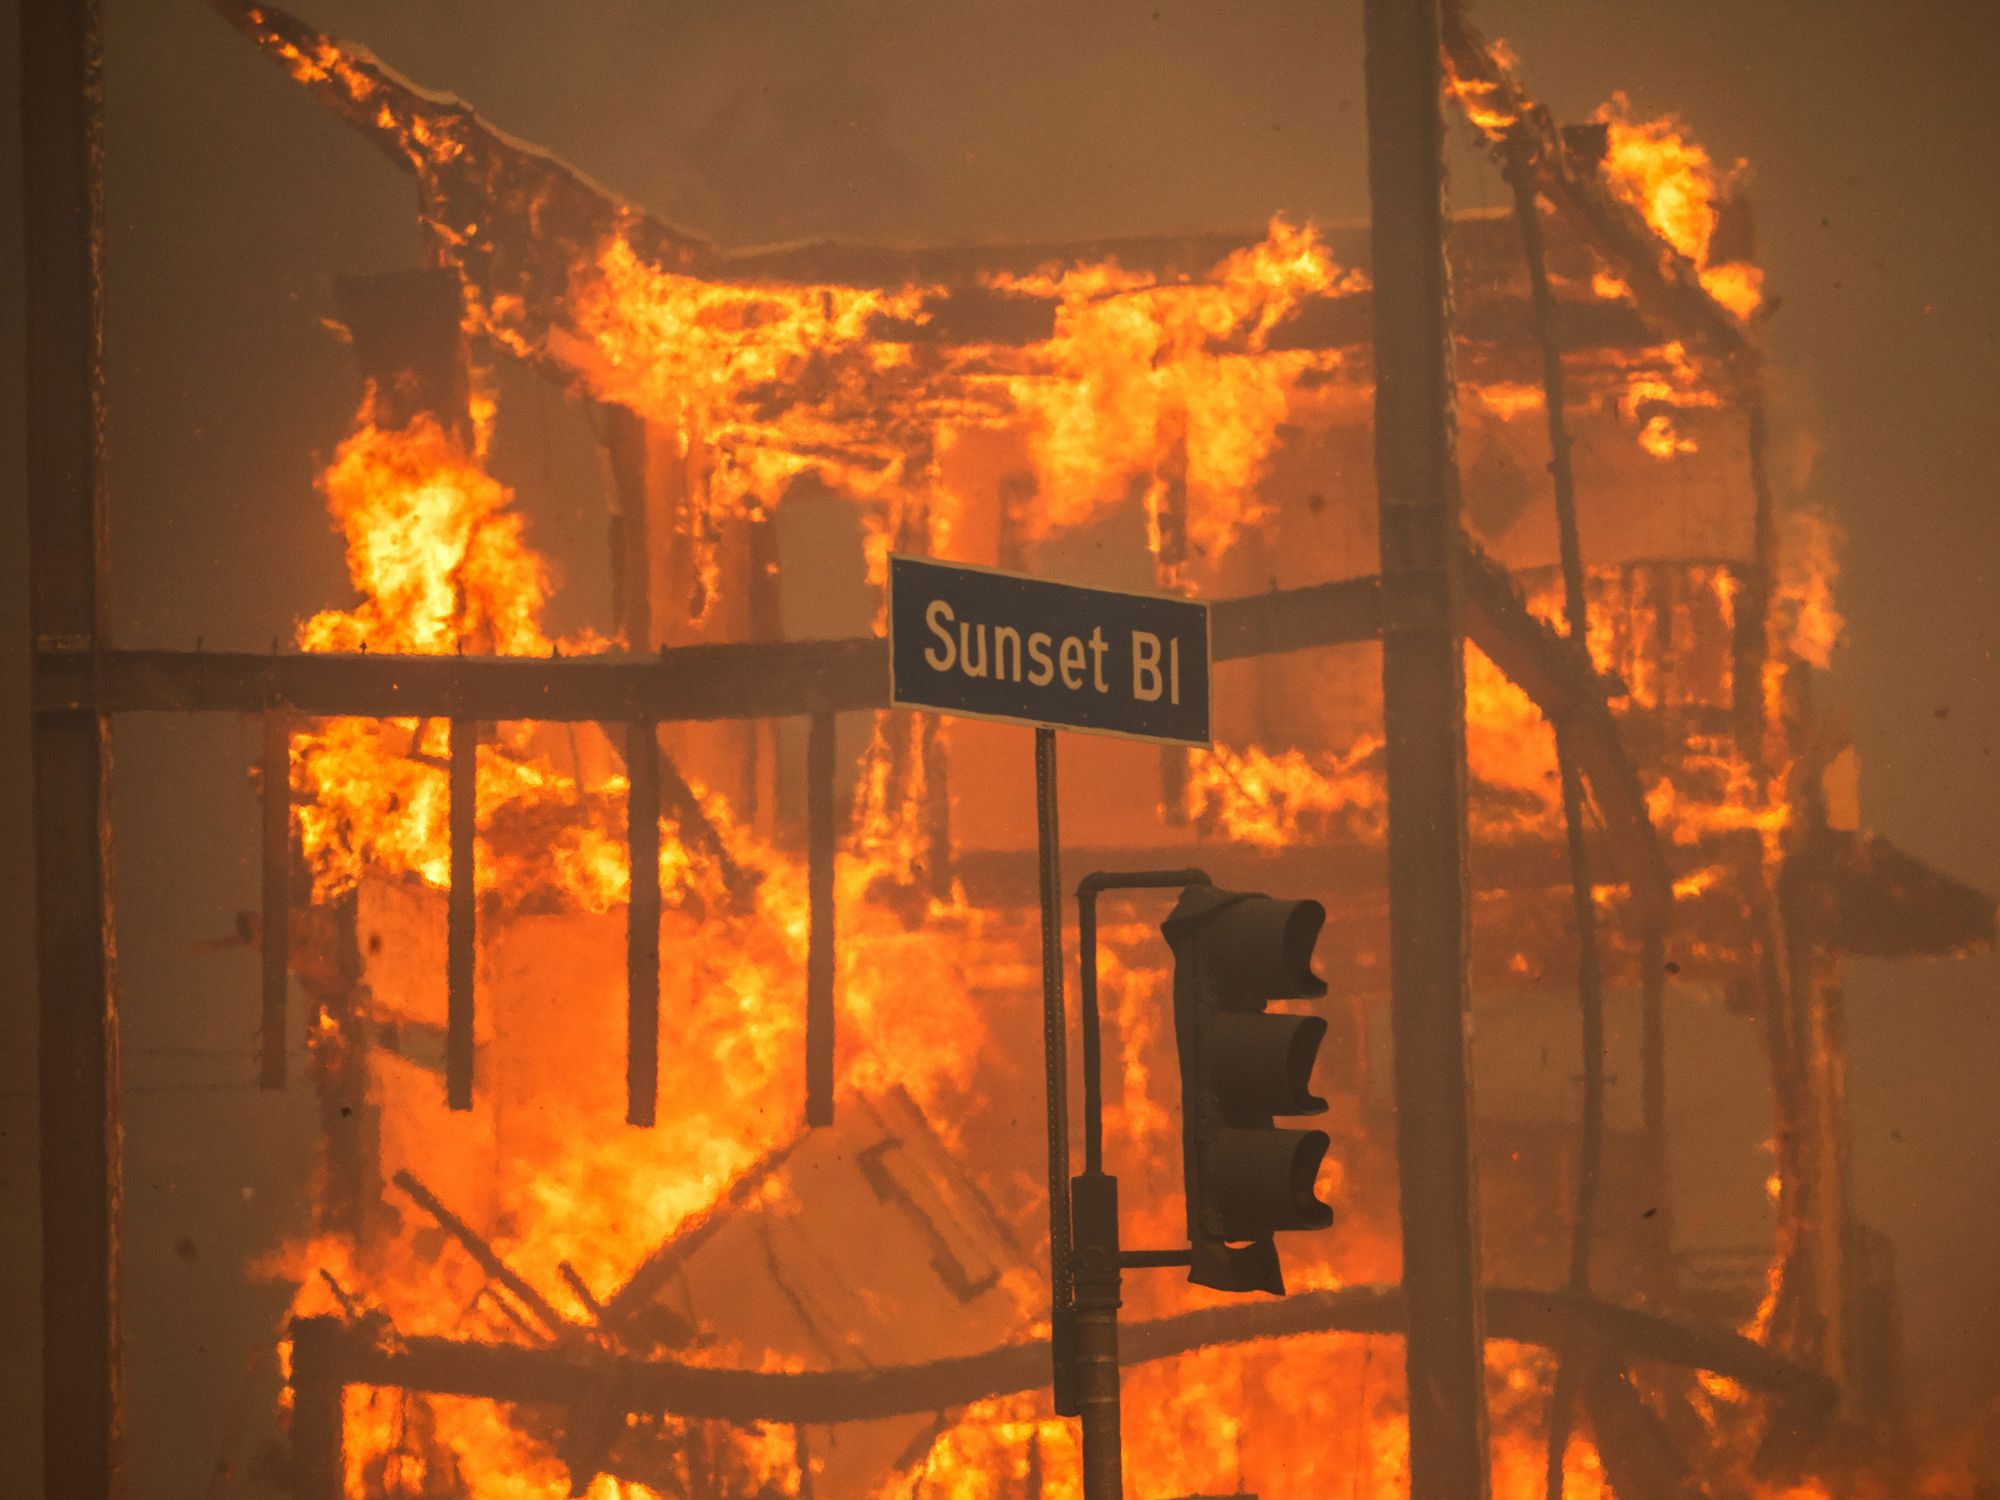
[1261, 1065]
[1265, 947]
[1263, 1181]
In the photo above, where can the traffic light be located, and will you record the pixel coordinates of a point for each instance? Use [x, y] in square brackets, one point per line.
[1240, 1067]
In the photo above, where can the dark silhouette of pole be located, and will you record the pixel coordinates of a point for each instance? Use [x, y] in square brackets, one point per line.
[62, 144]
[1423, 716]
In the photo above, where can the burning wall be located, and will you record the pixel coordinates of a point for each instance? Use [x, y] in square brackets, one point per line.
[1188, 413]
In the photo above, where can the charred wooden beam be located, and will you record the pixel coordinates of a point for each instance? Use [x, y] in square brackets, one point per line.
[622, 436]
[1640, 1456]
[1869, 898]
[1663, 280]
[321, 1353]
[1557, 674]
[485, 1255]
[462, 913]
[697, 830]
[757, 680]
[1423, 727]
[642, 924]
[1319, 614]
[820, 953]
[780, 678]
[562, 1374]
[770, 679]
[1583, 900]
[78, 1103]
[275, 937]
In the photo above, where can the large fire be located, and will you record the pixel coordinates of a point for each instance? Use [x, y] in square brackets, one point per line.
[1169, 394]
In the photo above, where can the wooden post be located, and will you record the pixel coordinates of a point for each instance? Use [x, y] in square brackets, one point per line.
[319, 1467]
[1583, 902]
[820, 939]
[642, 924]
[79, 1109]
[461, 919]
[276, 934]
[1423, 714]
[623, 437]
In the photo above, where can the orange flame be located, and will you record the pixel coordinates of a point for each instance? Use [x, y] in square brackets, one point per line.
[1656, 166]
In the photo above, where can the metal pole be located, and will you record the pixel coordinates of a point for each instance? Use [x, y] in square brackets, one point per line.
[79, 1111]
[1055, 1039]
[1096, 1275]
[1094, 1199]
[820, 931]
[1423, 715]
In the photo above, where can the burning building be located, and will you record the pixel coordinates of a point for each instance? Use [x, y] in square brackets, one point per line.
[673, 998]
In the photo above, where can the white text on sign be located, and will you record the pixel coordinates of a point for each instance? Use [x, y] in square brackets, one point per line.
[978, 650]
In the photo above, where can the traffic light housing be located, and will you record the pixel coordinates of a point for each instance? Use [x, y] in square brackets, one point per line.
[1241, 1067]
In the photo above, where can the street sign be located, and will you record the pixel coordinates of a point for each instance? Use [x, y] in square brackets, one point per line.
[995, 645]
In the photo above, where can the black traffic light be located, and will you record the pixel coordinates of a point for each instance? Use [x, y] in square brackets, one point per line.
[1240, 1067]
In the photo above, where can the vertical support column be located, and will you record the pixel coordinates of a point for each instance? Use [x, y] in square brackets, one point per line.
[276, 932]
[642, 924]
[461, 929]
[79, 1109]
[1423, 711]
[820, 936]
[319, 1466]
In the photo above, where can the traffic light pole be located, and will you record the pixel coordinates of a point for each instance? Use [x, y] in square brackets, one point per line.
[1055, 1045]
[1084, 1255]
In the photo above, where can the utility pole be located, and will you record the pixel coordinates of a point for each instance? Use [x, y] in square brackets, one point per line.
[62, 144]
[1423, 718]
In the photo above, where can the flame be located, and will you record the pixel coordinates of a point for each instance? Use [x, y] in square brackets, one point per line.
[1807, 615]
[1136, 365]
[1655, 395]
[1272, 801]
[437, 553]
[1657, 167]
[1168, 392]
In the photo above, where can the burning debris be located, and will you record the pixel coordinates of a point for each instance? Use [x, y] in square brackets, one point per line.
[508, 1293]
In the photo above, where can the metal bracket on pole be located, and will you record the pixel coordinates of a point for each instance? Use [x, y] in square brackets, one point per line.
[1090, 1346]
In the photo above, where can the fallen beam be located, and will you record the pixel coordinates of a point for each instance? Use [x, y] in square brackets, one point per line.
[1557, 674]
[560, 1375]
[737, 681]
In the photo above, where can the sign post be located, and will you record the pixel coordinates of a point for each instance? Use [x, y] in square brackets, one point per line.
[992, 645]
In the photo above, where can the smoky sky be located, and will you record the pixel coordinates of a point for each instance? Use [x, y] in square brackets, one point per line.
[233, 201]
